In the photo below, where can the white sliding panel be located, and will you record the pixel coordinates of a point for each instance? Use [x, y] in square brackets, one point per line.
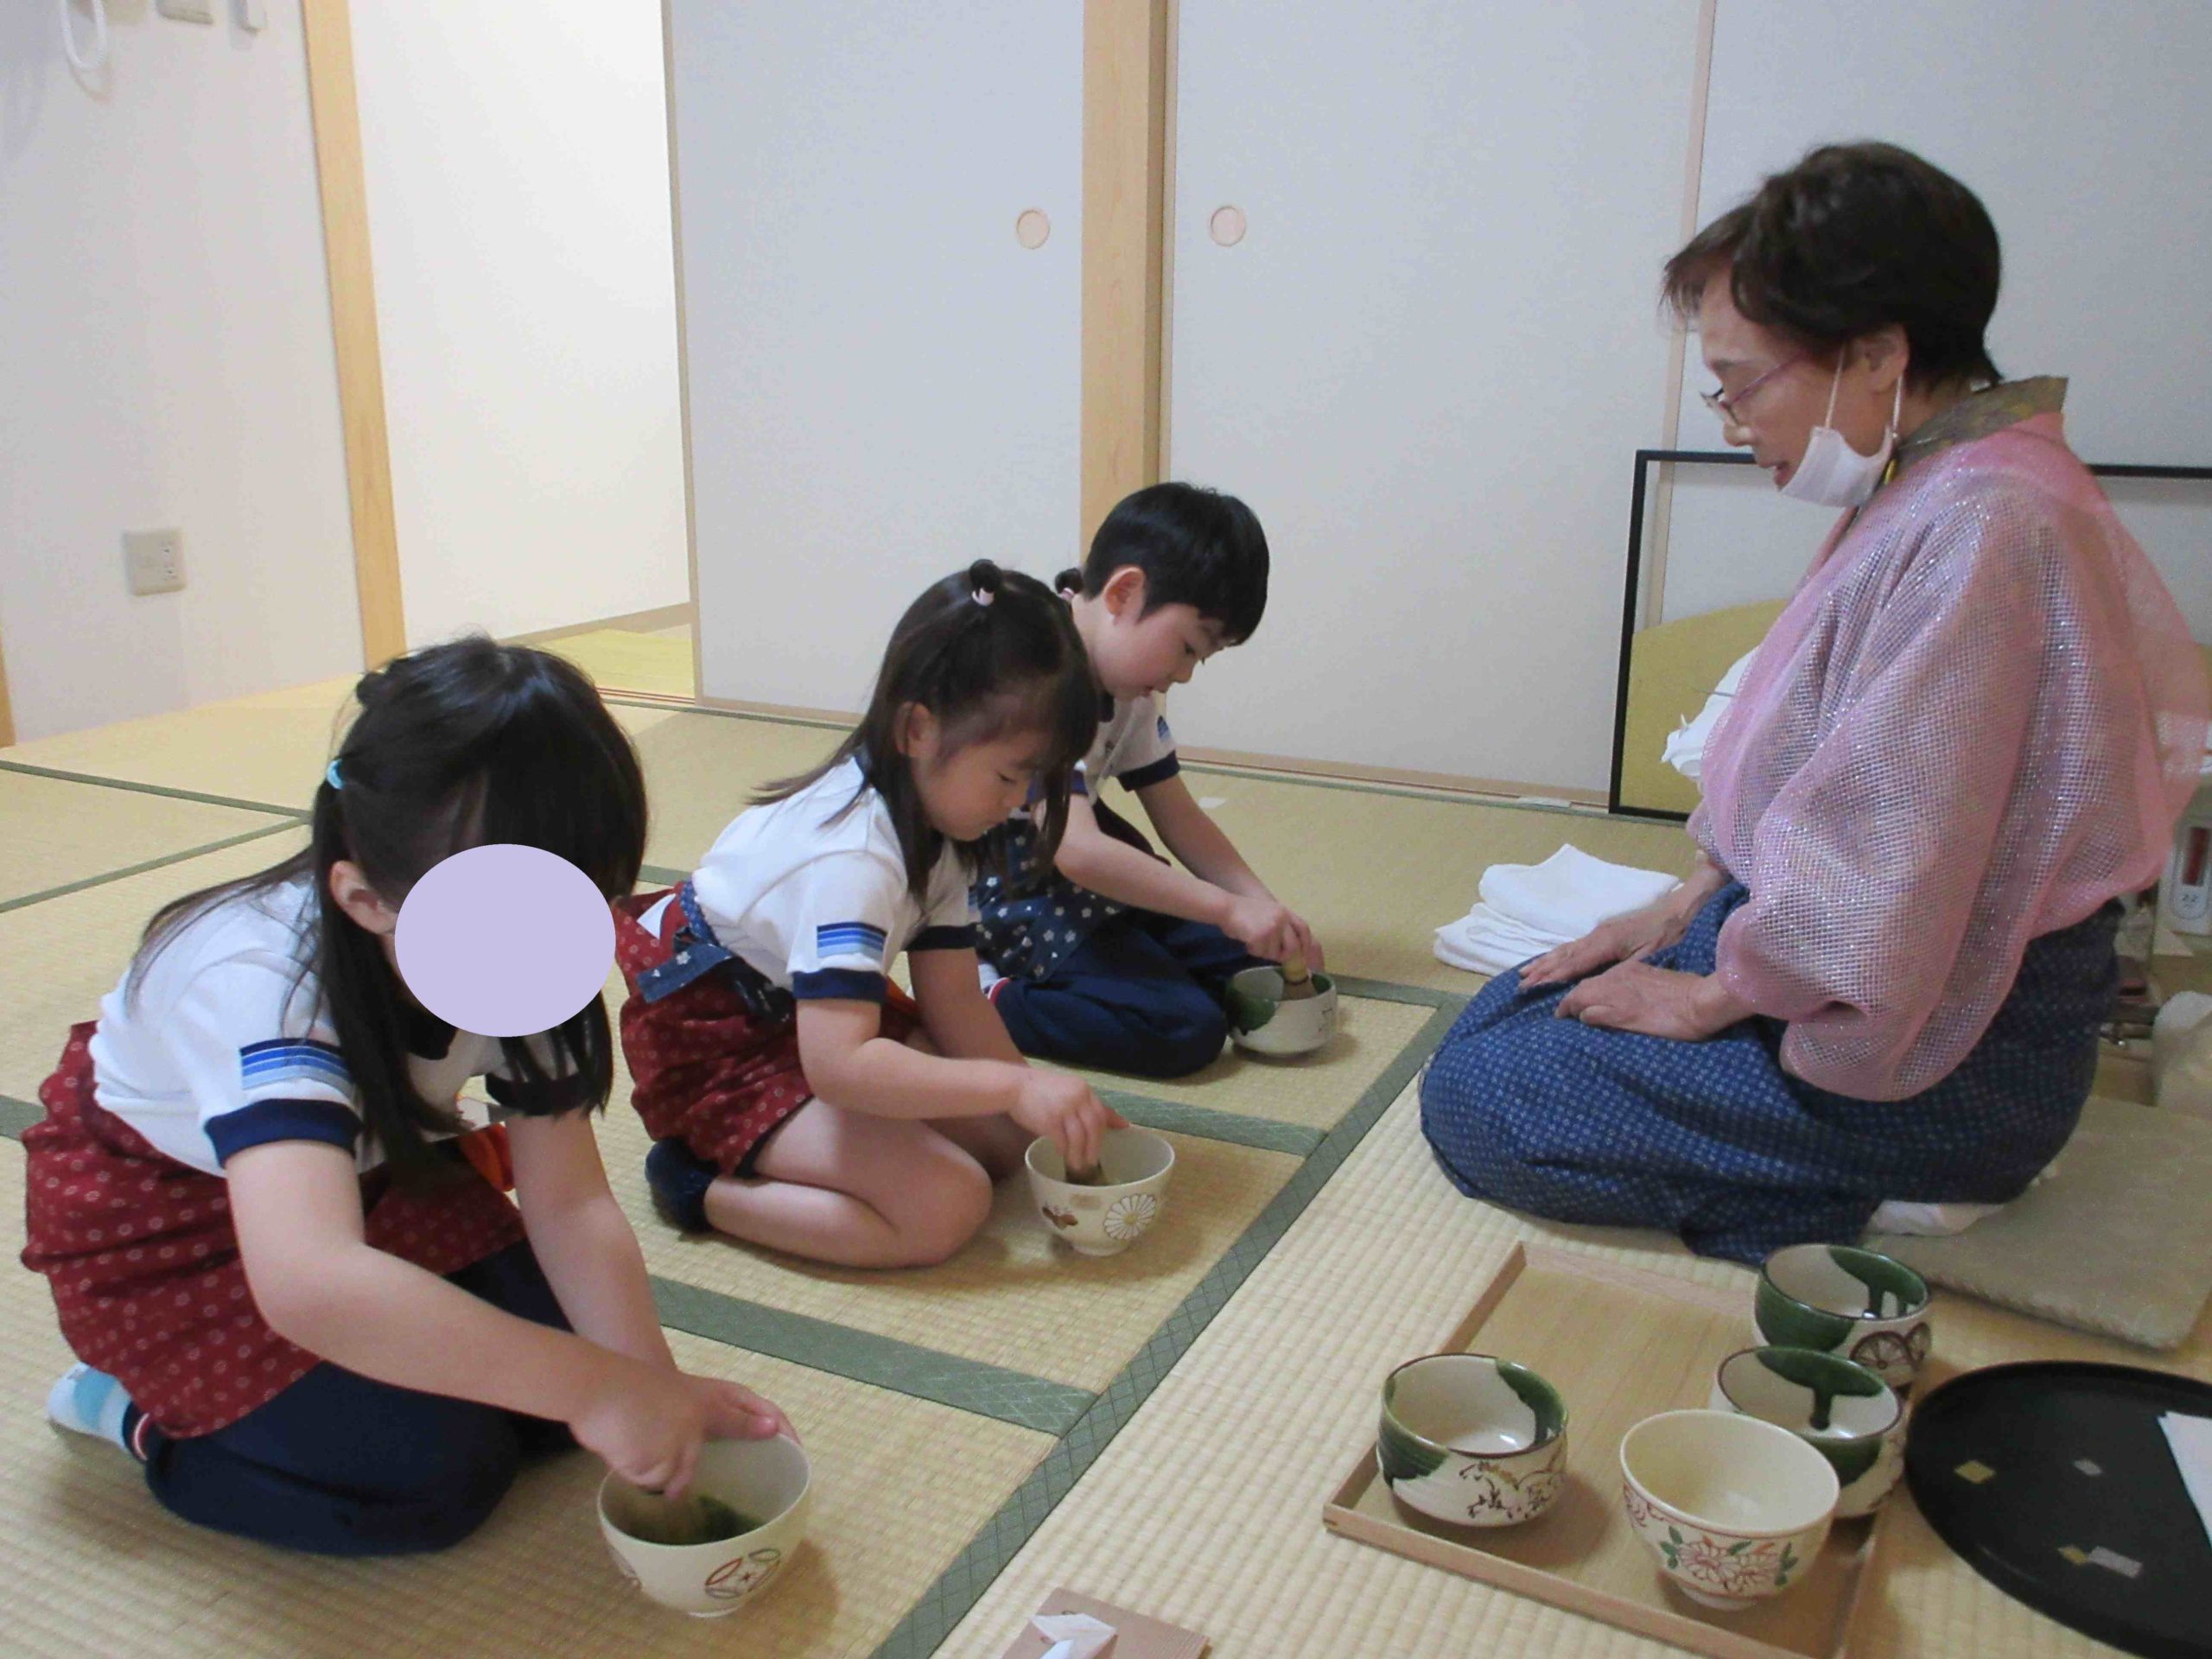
[2082, 125]
[1427, 364]
[884, 383]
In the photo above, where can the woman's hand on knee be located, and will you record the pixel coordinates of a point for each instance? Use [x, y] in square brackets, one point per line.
[1066, 1111]
[1625, 938]
[1656, 1002]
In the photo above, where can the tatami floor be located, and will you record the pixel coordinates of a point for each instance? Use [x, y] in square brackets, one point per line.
[1159, 1429]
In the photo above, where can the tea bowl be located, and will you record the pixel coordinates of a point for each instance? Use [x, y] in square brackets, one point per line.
[1842, 1410]
[1107, 1218]
[1259, 1019]
[768, 1482]
[1838, 1299]
[1471, 1439]
[1733, 1509]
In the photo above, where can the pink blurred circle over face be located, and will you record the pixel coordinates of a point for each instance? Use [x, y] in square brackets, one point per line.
[504, 940]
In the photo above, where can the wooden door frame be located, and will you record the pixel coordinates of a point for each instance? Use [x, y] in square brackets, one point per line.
[334, 108]
[1125, 45]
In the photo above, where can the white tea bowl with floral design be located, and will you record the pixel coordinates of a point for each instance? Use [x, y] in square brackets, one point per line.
[1107, 1217]
[1473, 1440]
[1732, 1509]
[765, 1487]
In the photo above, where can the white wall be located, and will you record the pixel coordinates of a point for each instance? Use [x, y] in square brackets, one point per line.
[2082, 125]
[517, 163]
[884, 384]
[165, 360]
[1428, 363]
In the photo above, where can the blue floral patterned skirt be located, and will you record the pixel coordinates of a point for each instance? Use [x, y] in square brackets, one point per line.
[1716, 1142]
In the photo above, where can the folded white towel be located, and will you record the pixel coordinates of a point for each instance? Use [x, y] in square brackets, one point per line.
[1527, 909]
[1685, 750]
[1484, 941]
[1570, 892]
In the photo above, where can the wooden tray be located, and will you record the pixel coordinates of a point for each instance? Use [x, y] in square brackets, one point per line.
[1619, 1344]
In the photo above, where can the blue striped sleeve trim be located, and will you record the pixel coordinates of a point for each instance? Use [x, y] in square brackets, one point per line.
[844, 938]
[292, 1059]
[838, 985]
[1158, 772]
[265, 1121]
[943, 939]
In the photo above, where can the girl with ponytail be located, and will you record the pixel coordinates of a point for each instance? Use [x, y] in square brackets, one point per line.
[277, 1238]
[797, 1099]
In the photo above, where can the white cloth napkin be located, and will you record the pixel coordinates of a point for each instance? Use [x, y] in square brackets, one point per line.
[2191, 1439]
[1073, 1636]
[1527, 909]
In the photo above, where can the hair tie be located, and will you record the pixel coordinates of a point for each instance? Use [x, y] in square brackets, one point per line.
[984, 581]
[1069, 581]
[330, 776]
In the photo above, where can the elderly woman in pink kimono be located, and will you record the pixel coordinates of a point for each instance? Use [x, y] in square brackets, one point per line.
[1971, 730]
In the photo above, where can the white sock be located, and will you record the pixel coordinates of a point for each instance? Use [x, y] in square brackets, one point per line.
[987, 973]
[87, 1402]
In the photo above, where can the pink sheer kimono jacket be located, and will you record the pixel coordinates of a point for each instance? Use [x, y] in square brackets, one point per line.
[1976, 723]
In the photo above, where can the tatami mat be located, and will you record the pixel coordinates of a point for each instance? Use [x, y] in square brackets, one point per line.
[263, 751]
[702, 771]
[657, 661]
[1314, 1091]
[54, 834]
[901, 1486]
[60, 957]
[1375, 872]
[1207, 1510]
[1015, 1297]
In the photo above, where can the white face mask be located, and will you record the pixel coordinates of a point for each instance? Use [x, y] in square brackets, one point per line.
[1835, 474]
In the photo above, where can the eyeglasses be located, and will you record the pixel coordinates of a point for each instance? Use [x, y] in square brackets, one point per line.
[1725, 403]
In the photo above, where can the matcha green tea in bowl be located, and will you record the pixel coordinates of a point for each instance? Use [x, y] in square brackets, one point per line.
[712, 1550]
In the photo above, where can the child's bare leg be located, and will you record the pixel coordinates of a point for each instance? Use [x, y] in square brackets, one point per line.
[856, 1190]
[996, 1142]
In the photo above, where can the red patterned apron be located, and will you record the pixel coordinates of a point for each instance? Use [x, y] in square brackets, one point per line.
[712, 1046]
[143, 1262]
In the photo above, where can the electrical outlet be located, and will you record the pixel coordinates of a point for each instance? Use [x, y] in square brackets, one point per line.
[187, 11]
[153, 559]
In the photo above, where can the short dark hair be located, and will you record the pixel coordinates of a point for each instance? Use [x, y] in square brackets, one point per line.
[989, 652]
[1852, 238]
[1196, 547]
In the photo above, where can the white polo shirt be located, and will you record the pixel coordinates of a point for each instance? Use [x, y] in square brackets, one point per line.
[227, 1044]
[812, 891]
[1133, 745]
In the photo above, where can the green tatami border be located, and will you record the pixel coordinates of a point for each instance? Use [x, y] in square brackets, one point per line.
[298, 815]
[141, 868]
[962, 1584]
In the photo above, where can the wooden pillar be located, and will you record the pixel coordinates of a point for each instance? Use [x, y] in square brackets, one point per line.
[329, 31]
[1125, 96]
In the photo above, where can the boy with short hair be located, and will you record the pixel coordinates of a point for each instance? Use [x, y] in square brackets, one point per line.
[1116, 958]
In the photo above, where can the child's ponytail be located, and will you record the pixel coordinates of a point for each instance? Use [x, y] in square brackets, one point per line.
[987, 651]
